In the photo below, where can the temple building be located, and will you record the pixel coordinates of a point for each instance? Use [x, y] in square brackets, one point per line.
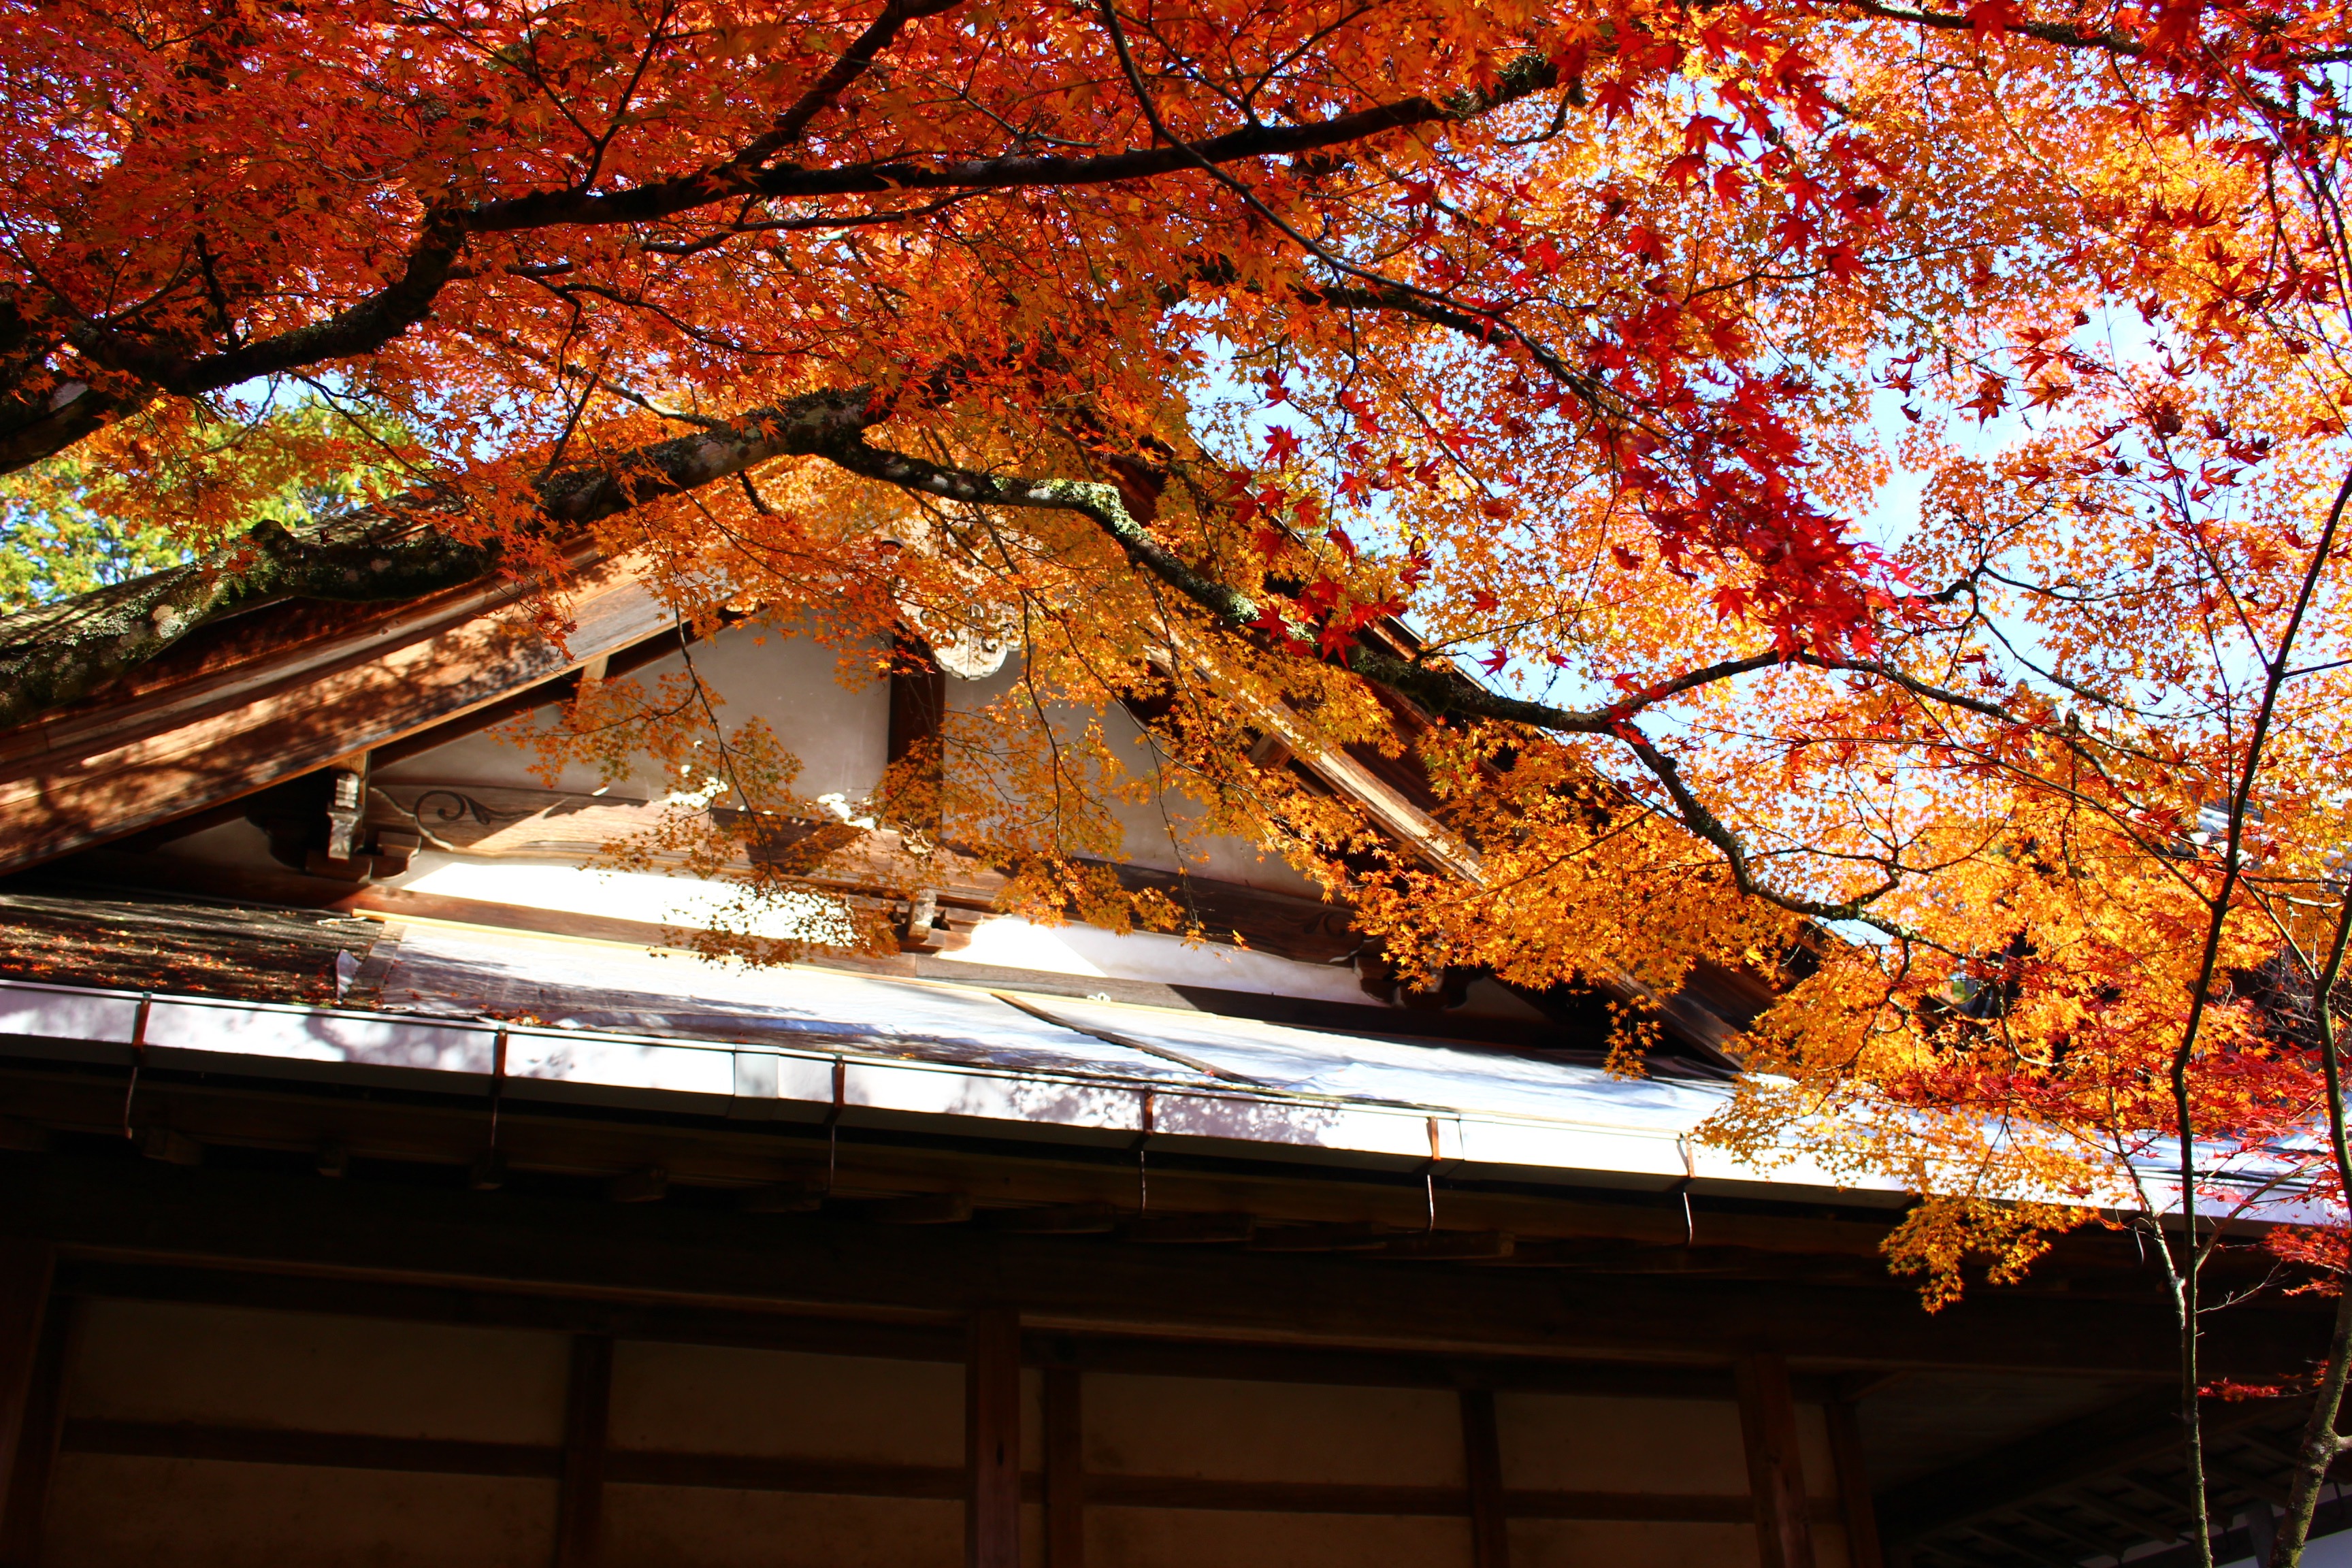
[381, 1184]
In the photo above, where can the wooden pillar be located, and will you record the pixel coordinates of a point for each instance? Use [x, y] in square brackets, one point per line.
[24, 1498]
[1776, 1469]
[25, 1268]
[1854, 1506]
[992, 1422]
[1066, 1469]
[1481, 1463]
[587, 1414]
[919, 700]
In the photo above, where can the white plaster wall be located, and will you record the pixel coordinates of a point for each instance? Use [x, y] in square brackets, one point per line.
[1585, 1543]
[486, 757]
[1191, 1538]
[717, 1399]
[1160, 832]
[137, 1360]
[228, 1366]
[1232, 1429]
[701, 1527]
[229, 844]
[787, 678]
[1603, 1444]
[113, 1512]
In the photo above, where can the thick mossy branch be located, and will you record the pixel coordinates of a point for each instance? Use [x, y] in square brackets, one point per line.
[61, 653]
[395, 551]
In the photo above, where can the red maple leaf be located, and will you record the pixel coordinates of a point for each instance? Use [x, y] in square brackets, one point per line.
[1989, 16]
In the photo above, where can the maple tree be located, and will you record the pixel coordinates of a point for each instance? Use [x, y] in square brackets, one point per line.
[1198, 346]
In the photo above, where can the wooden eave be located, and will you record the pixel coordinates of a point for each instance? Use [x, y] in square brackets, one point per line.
[283, 694]
[282, 690]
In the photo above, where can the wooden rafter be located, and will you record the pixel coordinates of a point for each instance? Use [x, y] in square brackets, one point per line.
[2065, 1464]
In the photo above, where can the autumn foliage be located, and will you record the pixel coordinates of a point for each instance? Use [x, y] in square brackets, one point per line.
[1867, 482]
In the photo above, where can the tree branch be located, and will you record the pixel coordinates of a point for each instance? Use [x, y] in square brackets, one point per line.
[363, 327]
[853, 62]
[31, 429]
[667, 198]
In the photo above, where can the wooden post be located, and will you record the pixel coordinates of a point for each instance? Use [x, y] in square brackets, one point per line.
[1855, 1504]
[25, 1268]
[1066, 1469]
[23, 1503]
[919, 700]
[992, 1412]
[1776, 1471]
[1482, 1462]
[587, 1413]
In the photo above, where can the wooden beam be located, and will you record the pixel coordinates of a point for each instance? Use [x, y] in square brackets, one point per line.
[919, 702]
[328, 1450]
[1481, 1463]
[1775, 1468]
[24, 1504]
[25, 1268]
[1066, 1467]
[722, 1153]
[513, 1241]
[992, 1406]
[1856, 1510]
[894, 1340]
[587, 1417]
[836, 1478]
